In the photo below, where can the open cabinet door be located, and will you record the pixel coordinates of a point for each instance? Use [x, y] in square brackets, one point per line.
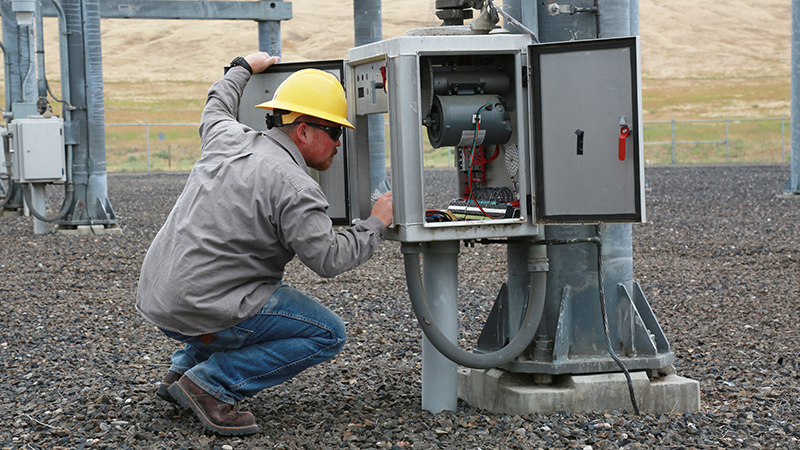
[587, 131]
[261, 88]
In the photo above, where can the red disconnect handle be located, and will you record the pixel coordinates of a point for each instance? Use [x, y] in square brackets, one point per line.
[624, 131]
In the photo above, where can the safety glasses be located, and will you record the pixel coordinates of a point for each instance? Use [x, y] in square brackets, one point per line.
[334, 132]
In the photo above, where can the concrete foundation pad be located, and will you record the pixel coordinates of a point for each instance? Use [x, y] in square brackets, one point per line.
[89, 229]
[504, 392]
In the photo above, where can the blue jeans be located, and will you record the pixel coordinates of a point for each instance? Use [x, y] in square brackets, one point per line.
[289, 334]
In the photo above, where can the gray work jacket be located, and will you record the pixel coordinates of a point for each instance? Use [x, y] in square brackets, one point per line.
[248, 207]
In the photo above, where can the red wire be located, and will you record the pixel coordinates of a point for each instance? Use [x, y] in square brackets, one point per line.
[469, 174]
[495, 154]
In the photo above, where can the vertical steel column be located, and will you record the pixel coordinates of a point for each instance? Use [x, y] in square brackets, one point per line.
[27, 65]
[87, 128]
[519, 284]
[11, 58]
[13, 83]
[793, 186]
[573, 268]
[38, 190]
[615, 21]
[634, 17]
[367, 20]
[615, 18]
[440, 281]
[525, 12]
[269, 36]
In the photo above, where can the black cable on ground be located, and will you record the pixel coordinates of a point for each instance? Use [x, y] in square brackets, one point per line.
[599, 244]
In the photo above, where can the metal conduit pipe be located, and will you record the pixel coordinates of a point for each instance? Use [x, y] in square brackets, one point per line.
[26, 191]
[450, 350]
[28, 89]
[41, 78]
[66, 93]
[5, 72]
[7, 198]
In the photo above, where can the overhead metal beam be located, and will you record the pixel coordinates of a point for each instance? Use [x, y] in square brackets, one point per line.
[188, 10]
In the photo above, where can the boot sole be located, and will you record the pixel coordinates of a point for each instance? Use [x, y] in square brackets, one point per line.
[163, 393]
[184, 399]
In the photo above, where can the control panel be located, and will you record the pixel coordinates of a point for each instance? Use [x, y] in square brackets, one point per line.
[538, 133]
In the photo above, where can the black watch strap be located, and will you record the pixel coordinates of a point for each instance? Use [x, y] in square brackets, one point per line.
[240, 61]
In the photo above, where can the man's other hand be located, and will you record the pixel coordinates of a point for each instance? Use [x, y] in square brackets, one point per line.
[383, 208]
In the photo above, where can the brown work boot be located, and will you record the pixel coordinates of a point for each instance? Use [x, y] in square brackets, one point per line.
[163, 387]
[216, 415]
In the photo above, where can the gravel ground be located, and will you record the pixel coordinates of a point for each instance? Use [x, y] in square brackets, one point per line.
[718, 261]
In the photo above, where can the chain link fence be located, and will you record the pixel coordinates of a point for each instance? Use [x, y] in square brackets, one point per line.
[751, 140]
[176, 146]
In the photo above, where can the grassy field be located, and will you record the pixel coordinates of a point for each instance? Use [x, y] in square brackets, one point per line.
[177, 147]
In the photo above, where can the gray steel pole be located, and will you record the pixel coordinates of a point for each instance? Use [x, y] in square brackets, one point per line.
[793, 186]
[519, 284]
[11, 56]
[269, 36]
[90, 205]
[147, 139]
[575, 266]
[524, 12]
[13, 83]
[615, 21]
[634, 17]
[727, 139]
[38, 190]
[440, 281]
[673, 140]
[367, 21]
[615, 18]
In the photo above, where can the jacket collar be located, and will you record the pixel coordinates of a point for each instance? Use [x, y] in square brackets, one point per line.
[280, 138]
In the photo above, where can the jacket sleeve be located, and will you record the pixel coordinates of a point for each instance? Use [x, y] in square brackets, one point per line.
[222, 104]
[307, 230]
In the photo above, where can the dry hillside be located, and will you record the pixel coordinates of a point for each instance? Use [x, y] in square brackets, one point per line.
[680, 39]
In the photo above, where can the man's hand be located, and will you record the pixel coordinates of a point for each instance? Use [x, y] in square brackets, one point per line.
[259, 61]
[383, 208]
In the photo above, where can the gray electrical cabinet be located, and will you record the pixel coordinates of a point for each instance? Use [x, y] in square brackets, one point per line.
[334, 181]
[539, 133]
[36, 146]
[586, 128]
[461, 92]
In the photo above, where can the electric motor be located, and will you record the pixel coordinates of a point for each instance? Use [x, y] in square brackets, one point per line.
[454, 120]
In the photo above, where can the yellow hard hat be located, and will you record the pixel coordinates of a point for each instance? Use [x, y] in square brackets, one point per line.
[310, 92]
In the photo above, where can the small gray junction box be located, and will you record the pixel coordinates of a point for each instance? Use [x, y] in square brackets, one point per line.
[37, 150]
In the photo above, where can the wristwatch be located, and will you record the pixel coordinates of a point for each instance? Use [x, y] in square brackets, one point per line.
[240, 61]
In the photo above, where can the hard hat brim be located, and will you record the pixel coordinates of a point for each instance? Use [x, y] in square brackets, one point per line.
[305, 111]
